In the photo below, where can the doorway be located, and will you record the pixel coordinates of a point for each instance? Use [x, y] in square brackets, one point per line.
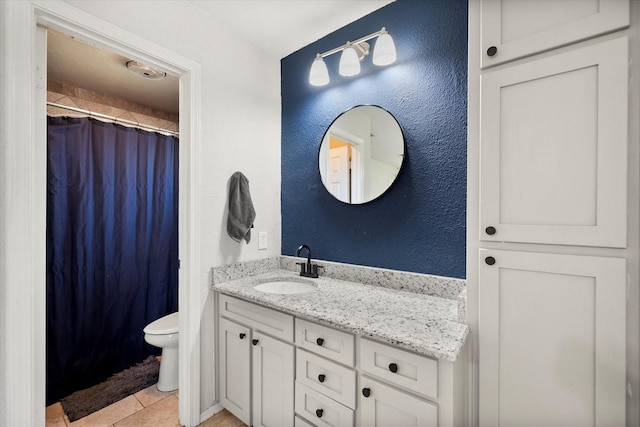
[68, 20]
[112, 208]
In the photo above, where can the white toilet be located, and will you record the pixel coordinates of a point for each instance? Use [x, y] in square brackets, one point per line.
[163, 333]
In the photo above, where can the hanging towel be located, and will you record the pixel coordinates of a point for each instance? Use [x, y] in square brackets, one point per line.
[241, 212]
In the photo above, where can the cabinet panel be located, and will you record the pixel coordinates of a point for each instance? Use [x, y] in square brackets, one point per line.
[275, 323]
[329, 378]
[525, 27]
[326, 341]
[553, 149]
[301, 422]
[405, 369]
[551, 329]
[386, 406]
[235, 368]
[320, 409]
[273, 380]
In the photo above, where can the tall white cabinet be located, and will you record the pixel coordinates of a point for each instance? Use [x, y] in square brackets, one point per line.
[549, 87]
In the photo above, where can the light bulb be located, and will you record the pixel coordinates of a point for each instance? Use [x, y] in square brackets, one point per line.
[349, 62]
[384, 52]
[319, 75]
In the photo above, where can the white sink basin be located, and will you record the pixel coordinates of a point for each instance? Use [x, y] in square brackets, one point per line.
[285, 287]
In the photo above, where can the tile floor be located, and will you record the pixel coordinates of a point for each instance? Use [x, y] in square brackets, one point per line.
[148, 407]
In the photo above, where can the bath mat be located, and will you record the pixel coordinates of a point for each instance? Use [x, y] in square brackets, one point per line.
[83, 402]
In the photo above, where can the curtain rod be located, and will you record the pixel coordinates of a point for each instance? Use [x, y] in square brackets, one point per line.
[114, 119]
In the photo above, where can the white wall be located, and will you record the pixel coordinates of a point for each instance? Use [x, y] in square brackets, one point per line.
[240, 114]
[240, 131]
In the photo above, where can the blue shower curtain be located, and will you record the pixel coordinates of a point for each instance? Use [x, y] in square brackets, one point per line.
[112, 247]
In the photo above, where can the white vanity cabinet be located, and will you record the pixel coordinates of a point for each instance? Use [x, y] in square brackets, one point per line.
[256, 363]
[514, 29]
[399, 387]
[329, 378]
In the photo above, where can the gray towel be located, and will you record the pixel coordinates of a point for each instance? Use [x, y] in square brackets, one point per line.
[241, 212]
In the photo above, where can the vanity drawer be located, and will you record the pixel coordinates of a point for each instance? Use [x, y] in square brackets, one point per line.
[326, 377]
[272, 322]
[326, 341]
[321, 410]
[400, 367]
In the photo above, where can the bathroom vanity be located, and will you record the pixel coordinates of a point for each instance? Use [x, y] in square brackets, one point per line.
[343, 353]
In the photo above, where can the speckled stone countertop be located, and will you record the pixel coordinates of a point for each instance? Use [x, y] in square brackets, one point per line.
[423, 323]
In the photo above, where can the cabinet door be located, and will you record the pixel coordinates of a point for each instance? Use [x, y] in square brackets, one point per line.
[517, 28]
[382, 406]
[235, 369]
[553, 149]
[273, 377]
[551, 339]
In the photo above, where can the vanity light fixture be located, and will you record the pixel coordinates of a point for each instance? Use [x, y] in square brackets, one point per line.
[349, 62]
[384, 53]
[319, 75]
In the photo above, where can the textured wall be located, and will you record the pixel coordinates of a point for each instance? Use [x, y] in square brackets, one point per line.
[419, 225]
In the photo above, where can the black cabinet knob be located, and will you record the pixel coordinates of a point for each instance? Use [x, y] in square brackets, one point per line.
[366, 392]
[320, 341]
[321, 378]
[254, 342]
[319, 413]
[490, 230]
[492, 51]
[393, 367]
[242, 335]
[490, 260]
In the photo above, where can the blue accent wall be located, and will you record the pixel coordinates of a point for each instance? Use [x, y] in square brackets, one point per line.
[419, 224]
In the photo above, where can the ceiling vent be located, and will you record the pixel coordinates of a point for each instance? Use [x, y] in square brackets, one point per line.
[145, 71]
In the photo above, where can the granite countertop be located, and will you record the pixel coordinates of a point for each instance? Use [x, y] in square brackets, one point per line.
[425, 324]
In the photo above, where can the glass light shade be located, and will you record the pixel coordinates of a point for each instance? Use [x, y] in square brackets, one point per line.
[349, 62]
[384, 52]
[319, 75]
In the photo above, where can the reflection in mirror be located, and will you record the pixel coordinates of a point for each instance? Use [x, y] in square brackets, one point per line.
[361, 154]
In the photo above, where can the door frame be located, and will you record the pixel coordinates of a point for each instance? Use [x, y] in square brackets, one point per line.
[26, 185]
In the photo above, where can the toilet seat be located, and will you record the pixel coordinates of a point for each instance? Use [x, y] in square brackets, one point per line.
[163, 326]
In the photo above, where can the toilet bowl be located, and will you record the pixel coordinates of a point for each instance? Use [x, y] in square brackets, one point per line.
[163, 333]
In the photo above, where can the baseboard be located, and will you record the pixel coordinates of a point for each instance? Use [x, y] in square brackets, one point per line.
[211, 412]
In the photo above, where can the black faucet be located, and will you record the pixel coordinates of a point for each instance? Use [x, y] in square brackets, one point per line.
[308, 270]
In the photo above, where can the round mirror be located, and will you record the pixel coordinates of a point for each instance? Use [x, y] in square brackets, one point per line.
[361, 154]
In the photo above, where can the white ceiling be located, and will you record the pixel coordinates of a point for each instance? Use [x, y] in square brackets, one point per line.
[279, 27]
[98, 70]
